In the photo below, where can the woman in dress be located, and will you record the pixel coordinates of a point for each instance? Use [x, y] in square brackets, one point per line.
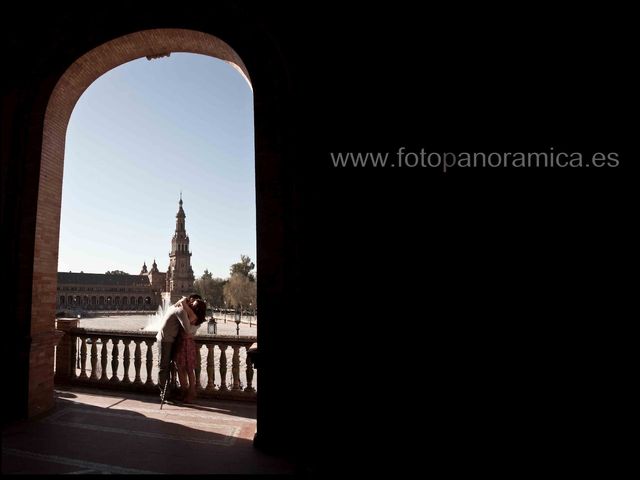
[185, 351]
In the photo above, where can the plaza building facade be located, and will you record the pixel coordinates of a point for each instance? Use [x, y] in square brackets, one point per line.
[79, 291]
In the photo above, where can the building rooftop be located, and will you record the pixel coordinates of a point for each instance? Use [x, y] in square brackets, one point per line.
[80, 278]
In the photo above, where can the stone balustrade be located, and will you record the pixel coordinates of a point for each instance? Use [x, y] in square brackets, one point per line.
[127, 360]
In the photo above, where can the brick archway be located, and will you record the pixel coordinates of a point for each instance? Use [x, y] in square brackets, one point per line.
[77, 78]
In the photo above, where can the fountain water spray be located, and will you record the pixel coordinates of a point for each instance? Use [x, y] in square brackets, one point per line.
[154, 321]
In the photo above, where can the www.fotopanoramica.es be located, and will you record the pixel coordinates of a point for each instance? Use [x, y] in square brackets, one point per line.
[404, 158]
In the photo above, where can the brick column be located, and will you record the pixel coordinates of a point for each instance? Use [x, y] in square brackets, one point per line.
[41, 371]
[66, 351]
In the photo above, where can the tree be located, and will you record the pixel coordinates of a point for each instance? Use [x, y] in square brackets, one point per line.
[240, 292]
[210, 289]
[244, 267]
[116, 272]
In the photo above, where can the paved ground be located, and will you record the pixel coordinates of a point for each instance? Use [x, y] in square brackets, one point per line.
[93, 433]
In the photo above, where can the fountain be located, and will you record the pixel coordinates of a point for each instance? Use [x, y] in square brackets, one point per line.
[153, 321]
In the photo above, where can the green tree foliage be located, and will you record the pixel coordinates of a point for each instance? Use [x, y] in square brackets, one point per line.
[210, 289]
[244, 268]
[116, 272]
[240, 292]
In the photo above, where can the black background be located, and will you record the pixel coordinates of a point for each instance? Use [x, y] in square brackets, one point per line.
[514, 277]
[481, 310]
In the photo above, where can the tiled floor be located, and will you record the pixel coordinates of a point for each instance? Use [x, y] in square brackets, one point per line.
[94, 432]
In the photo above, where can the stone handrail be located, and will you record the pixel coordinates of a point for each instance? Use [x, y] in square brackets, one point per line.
[89, 357]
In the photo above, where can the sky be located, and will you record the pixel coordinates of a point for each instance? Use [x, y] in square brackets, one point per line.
[138, 136]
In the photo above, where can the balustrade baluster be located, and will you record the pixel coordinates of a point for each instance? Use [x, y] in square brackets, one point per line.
[210, 368]
[94, 360]
[249, 372]
[115, 361]
[149, 344]
[137, 362]
[235, 367]
[127, 360]
[223, 368]
[74, 356]
[103, 359]
[83, 358]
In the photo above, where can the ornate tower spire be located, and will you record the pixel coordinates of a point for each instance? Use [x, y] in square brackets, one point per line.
[144, 268]
[180, 217]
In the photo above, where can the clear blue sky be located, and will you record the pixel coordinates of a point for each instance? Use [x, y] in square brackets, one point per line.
[138, 136]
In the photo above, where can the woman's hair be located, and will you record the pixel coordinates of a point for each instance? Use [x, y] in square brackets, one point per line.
[200, 309]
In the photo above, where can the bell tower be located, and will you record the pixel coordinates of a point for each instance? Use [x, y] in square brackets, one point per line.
[180, 276]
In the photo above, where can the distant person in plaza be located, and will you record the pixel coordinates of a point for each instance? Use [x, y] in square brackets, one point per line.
[176, 319]
[186, 351]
